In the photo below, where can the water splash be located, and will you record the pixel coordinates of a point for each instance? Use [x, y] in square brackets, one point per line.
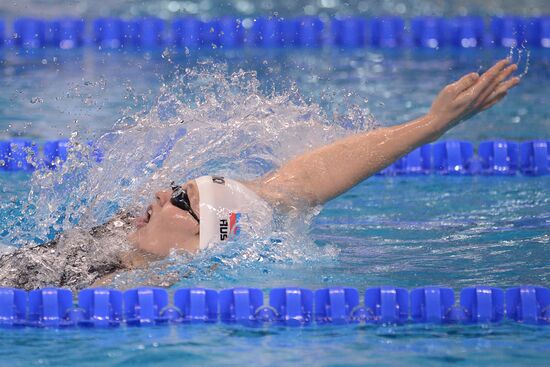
[205, 120]
[520, 51]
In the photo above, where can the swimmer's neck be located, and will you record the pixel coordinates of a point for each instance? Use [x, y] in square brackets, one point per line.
[137, 258]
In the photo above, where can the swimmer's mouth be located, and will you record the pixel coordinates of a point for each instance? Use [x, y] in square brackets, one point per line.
[144, 219]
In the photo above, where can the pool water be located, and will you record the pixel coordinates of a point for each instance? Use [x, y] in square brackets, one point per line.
[401, 231]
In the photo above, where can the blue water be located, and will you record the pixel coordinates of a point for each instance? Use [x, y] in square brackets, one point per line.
[454, 231]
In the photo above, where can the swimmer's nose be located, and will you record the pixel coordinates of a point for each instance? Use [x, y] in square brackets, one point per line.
[162, 197]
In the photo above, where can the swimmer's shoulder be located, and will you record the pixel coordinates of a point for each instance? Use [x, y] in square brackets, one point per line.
[275, 197]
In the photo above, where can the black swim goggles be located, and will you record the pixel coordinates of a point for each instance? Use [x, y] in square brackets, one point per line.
[180, 199]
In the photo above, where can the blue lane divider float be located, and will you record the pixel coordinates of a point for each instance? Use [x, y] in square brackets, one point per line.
[67, 33]
[466, 32]
[428, 32]
[483, 304]
[535, 157]
[98, 307]
[494, 157]
[242, 305]
[55, 152]
[349, 32]
[417, 162]
[462, 32]
[310, 32]
[269, 32]
[50, 307]
[109, 33]
[25, 155]
[513, 31]
[289, 32]
[29, 33]
[528, 304]
[498, 157]
[146, 33]
[386, 305]
[144, 306]
[453, 157]
[292, 306]
[196, 304]
[231, 32]
[210, 34]
[2, 33]
[18, 155]
[186, 32]
[13, 307]
[544, 32]
[337, 305]
[386, 32]
[433, 305]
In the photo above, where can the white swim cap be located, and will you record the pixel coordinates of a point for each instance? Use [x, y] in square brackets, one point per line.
[229, 210]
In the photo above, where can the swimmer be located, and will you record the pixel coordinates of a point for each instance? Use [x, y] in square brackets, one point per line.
[208, 210]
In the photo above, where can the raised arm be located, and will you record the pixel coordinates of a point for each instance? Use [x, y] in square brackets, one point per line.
[322, 174]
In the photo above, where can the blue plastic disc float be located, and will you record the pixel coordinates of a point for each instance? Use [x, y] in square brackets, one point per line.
[290, 306]
[269, 32]
[449, 158]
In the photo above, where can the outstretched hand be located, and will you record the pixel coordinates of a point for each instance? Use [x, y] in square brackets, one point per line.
[472, 94]
[319, 175]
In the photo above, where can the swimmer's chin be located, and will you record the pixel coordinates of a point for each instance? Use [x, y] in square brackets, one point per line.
[137, 239]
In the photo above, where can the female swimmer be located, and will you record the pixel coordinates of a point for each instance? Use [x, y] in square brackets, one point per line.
[213, 209]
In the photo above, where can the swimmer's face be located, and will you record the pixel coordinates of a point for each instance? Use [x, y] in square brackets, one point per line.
[165, 226]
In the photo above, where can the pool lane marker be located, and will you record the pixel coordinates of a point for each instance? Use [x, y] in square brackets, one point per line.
[231, 32]
[290, 306]
[448, 158]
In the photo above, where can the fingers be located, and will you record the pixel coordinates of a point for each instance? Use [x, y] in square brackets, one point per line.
[493, 101]
[486, 84]
[507, 85]
[500, 93]
[473, 93]
[496, 82]
[465, 82]
[490, 75]
[487, 79]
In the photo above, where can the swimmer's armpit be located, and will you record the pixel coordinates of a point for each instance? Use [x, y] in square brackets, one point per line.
[324, 173]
